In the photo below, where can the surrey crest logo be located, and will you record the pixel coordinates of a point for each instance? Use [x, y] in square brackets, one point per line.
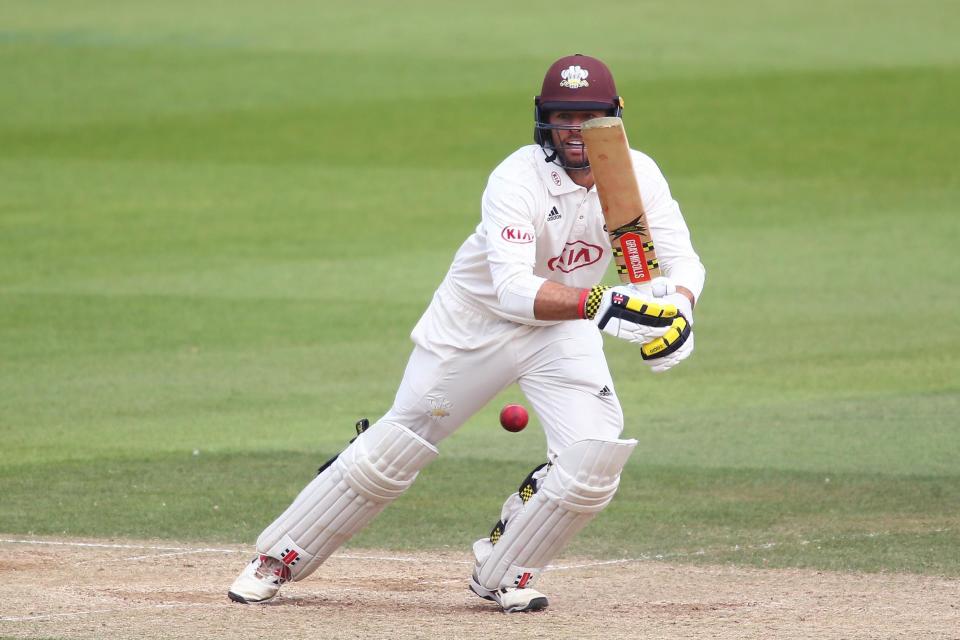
[574, 77]
[439, 408]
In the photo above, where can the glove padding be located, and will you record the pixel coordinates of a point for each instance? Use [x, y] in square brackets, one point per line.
[627, 313]
[676, 344]
[661, 362]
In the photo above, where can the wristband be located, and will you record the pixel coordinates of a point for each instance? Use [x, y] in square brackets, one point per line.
[590, 301]
[582, 305]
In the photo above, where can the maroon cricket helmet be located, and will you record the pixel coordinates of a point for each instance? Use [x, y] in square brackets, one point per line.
[573, 83]
[578, 82]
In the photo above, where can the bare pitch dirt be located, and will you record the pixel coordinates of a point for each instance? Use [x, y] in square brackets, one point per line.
[131, 589]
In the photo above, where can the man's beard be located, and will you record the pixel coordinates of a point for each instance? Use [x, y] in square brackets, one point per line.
[582, 163]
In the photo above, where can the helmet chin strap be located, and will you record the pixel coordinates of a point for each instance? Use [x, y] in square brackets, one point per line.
[554, 155]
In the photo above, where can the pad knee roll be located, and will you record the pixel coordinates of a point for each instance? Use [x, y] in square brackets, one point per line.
[580, 483]
[372, 472]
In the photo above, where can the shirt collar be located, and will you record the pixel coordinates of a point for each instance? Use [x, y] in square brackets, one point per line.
[557, 181]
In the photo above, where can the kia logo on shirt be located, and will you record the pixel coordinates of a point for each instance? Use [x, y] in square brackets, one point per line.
[517, 235]
[575, 255]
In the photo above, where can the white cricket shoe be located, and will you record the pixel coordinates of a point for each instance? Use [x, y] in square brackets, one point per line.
[511, 599]
[259, 581]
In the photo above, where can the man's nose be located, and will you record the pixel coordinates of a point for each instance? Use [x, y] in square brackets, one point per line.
[580, 119]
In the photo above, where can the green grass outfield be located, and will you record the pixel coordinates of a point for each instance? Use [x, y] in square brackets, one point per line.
[219, 221]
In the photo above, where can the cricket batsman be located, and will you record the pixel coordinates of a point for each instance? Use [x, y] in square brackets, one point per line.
[520, 304]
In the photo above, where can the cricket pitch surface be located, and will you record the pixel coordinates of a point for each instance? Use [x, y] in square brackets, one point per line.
[75, 588]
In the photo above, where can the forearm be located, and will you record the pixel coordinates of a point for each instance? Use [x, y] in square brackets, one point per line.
[556, 301]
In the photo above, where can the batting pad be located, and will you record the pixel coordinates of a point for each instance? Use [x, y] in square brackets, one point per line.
[372, 472]
[580, 483]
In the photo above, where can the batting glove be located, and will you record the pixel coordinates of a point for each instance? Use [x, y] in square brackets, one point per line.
[676, 345]
[625, 312]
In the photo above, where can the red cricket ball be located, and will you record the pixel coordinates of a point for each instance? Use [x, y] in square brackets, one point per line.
[514, 417]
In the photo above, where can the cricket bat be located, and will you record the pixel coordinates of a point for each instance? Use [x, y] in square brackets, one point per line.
[626, 222]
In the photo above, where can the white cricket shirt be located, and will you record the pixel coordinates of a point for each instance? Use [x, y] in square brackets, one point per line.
[537, 224]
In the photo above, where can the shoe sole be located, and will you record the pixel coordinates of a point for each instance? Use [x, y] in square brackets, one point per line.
[238, 598]
[534, 605]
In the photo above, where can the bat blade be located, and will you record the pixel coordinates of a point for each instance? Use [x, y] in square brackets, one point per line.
[609, 154]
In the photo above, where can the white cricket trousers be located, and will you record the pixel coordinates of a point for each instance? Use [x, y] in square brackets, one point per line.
[464, 356]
